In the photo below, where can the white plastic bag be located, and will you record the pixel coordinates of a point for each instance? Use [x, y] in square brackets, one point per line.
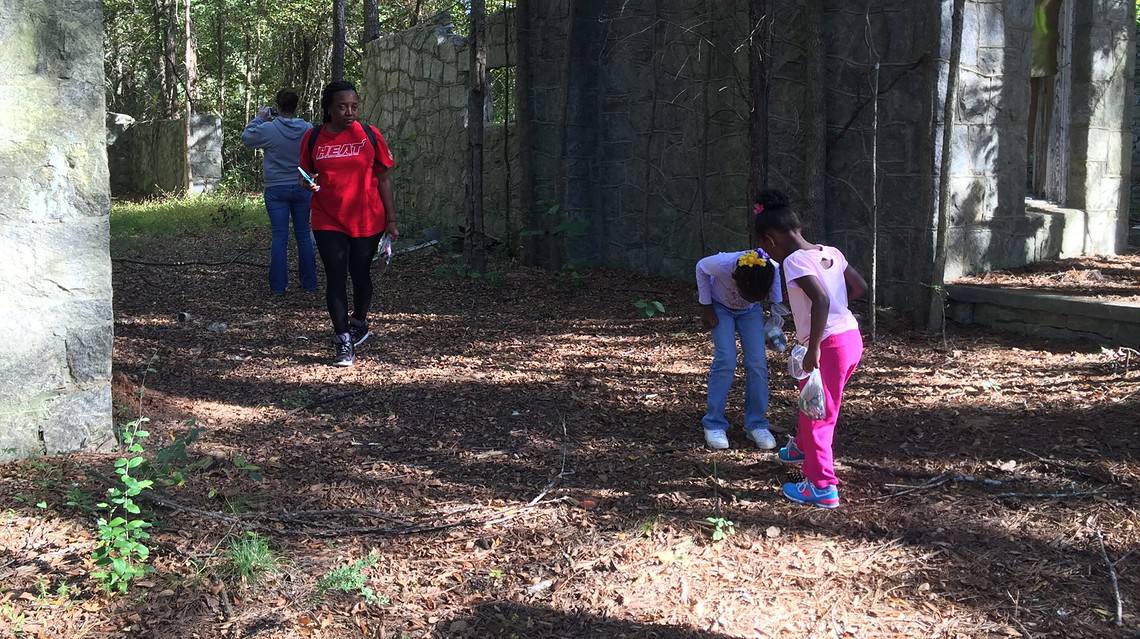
[384, 251]
[812, 400]
[796, 362]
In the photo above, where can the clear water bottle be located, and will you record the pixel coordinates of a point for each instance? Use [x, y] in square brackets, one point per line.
[774, 328]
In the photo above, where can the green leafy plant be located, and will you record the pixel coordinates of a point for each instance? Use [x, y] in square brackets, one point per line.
[495, 573]
[568, 278]
[351, 579]
[172, 463]
[119, 553]
[251, 559]
[649, 308]
[78, 498]
[253, 471]
[721, 528]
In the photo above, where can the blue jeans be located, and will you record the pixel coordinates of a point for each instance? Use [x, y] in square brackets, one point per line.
[283, 203]
[749, 323]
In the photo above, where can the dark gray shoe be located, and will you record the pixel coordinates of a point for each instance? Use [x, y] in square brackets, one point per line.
[345, 351]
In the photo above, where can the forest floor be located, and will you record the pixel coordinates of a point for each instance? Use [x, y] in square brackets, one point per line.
[1113, 278]
[521, 457]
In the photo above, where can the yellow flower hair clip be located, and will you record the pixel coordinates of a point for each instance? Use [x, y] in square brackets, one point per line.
[751, 258]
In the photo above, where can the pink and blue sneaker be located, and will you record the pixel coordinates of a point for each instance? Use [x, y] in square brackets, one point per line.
[790, 454]
[805, 493]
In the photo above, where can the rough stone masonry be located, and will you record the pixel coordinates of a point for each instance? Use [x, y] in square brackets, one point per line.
[55, 275]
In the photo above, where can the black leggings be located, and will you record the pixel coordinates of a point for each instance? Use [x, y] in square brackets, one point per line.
[344, 256]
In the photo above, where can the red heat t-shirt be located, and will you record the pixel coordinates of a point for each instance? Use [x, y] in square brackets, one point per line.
[346, 166]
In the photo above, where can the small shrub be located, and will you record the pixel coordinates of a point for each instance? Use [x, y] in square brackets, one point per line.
[351, 579]
[721, 528]
[649, 308]
[119, 551]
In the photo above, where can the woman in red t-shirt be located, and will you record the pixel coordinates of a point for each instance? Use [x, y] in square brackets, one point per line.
[351, 208]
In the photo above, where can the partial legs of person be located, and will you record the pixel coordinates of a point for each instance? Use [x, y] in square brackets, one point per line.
[334, 248]
[721, 372]
[750, 326]
[306, 260]
[277, 205]
[360, 253]
[839, 356]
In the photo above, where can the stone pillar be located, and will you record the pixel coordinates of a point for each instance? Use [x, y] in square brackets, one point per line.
[1102, 61]
[55, 275]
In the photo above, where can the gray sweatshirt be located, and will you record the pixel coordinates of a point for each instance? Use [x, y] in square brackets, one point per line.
[281, 139]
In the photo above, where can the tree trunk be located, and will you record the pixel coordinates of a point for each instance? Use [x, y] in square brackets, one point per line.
[415, 14]
[873, 289]
[338, 40]
[815, 162]
[475, 247]
[191, 60]
[531, 219]
[164, 79]
[936, 318]
[702, 171]
[554, 240]
[508, 74]
[171, 10]
[371, 20]
[647, 184]
[248, 77]
[220, 18]
[760, 25]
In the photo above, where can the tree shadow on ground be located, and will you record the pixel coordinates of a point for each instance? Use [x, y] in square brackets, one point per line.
[513, 619]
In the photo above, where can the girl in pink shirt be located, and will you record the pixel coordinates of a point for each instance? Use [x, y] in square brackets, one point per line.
[820, 282]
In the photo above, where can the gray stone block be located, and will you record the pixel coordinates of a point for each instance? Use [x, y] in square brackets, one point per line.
[80, 421]
[89, 353]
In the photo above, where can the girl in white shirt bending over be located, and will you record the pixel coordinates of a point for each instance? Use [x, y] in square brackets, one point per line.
[820, 282]
[730, 287]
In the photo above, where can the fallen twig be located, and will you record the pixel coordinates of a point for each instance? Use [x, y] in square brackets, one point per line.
[417, 247]
[562, 472]
[234, 260]
[1112, 578]
[1072, 494]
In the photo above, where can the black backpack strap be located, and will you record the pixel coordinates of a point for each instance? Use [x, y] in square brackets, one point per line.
[371, 137]
[314, 132]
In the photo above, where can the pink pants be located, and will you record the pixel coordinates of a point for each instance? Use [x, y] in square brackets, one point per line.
[839, 355]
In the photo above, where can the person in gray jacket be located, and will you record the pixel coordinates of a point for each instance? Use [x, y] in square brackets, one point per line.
[279, 135]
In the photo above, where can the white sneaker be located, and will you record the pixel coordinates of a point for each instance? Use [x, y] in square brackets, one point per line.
[716, 439]
[763, 438]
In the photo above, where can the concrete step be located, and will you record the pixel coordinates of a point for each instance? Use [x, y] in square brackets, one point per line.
[1040, 314]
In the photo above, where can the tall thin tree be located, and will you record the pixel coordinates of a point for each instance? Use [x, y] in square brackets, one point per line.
[474, 244]
[760, 24]
[338, 40]
[936, 317]
[371, 20]
[219, 26]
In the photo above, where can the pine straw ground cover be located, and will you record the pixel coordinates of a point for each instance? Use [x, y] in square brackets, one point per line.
[524, 460]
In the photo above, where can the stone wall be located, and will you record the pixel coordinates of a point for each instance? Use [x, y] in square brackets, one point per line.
[1103, 60]
[55, 279]
[1135, 189]
[988, 227]
[205, 152]
[648, 148]
[150, 158]
[415, 91]
[903, 37]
